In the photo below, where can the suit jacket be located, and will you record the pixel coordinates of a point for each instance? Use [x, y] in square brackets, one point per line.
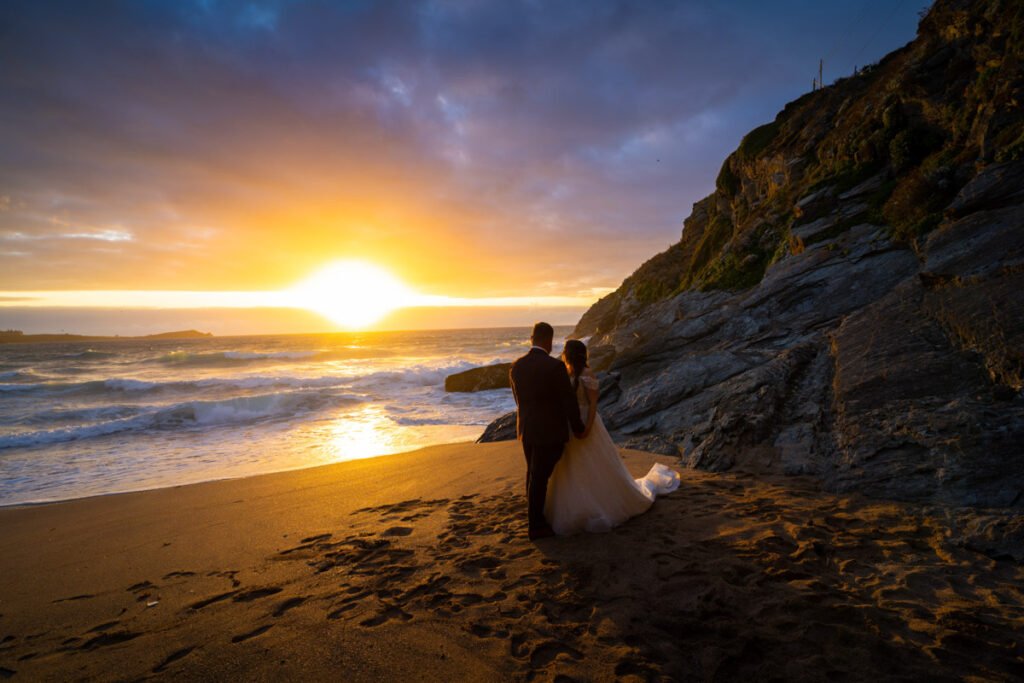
[545, 400]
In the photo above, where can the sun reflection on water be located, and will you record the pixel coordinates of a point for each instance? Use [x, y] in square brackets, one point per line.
[367, 431]
[361, 433]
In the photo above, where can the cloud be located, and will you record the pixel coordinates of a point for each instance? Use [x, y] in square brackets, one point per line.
[477, 147]
[102, 235]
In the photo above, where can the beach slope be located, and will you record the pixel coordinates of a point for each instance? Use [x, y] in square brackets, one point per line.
[416, 567]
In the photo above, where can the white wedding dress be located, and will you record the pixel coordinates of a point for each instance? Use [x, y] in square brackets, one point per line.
[591, 489]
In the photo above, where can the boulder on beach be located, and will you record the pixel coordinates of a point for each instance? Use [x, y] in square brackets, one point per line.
[502, 429]
[479, 379]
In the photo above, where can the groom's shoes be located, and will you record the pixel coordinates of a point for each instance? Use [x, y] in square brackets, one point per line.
[541, 532]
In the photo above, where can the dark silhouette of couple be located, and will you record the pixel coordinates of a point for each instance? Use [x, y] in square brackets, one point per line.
[590, 488]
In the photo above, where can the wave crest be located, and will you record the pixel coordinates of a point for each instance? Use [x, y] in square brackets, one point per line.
[240, 409]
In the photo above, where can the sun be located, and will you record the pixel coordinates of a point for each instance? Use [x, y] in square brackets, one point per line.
[351, 294]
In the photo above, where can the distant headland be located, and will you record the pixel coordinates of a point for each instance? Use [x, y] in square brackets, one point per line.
[19, 337]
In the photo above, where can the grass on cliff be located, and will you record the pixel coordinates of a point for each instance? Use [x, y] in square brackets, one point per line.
[735, 271]
[658, 277]
[716, 235]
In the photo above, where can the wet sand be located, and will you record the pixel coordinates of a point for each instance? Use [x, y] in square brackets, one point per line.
[417, 567]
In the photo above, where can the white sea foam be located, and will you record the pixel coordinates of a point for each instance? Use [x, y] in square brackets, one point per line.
[188, 414]
[190, 358]
[52, 436]
[23, 375]
[387, 381]
[91, 354]
[129, 385]
[182, 358]
[106, 412]
[252, 355]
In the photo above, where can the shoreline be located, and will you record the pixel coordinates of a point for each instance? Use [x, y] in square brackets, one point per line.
[417, 565]
[89, 496]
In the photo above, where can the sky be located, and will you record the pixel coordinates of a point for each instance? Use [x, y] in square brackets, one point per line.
[532, 152]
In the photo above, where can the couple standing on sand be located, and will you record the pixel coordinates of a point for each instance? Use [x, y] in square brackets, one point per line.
[589, 488]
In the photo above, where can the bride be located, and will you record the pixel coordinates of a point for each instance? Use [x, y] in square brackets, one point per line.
[590, 489]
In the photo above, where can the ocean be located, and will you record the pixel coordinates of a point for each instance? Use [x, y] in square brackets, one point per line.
[82, 419]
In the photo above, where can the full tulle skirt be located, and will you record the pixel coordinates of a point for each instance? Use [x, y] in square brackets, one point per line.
[591, 489]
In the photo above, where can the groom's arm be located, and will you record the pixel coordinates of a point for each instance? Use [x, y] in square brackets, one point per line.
[569, 405]
[512, 383]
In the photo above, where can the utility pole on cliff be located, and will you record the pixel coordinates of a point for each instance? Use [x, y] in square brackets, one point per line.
[821, 66]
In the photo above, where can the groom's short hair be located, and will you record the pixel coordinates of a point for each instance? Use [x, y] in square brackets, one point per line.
[542, 332]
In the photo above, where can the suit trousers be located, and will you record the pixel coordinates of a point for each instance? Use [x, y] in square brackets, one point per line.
[540, 463]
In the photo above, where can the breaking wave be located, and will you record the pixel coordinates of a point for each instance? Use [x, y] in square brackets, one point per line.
[235, 410]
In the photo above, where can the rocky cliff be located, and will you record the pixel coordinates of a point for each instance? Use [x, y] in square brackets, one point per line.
[847, 303]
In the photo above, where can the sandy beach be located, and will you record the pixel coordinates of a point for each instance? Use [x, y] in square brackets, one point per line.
[417, 567]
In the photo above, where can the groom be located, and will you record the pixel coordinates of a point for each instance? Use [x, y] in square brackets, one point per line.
[547, 408]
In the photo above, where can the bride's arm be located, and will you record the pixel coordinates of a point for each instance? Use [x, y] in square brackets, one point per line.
[590, 385]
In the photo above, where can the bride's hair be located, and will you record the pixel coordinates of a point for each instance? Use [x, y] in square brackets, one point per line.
[575, 354]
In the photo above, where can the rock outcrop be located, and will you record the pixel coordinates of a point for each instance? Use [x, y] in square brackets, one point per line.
[479, 379]
[848, 303]
[502, 429]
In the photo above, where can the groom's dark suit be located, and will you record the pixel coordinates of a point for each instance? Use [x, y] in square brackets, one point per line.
[546, 409]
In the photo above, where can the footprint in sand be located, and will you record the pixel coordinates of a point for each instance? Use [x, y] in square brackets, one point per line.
[340, 612]
[257, 593]
[177, 575]
[104, 627]
[288, 604]
[236, 596]
[173, 657]
[524, 580]
[475, 564]
[251, 634]
[413, 505]
[314, 539]
[545, 653]
[629, 667]
[482, 630]
[106, 639]
[386, 616]
[211, 600]
[519, 645]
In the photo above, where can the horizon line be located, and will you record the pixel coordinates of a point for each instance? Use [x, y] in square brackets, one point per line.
[241, 299]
